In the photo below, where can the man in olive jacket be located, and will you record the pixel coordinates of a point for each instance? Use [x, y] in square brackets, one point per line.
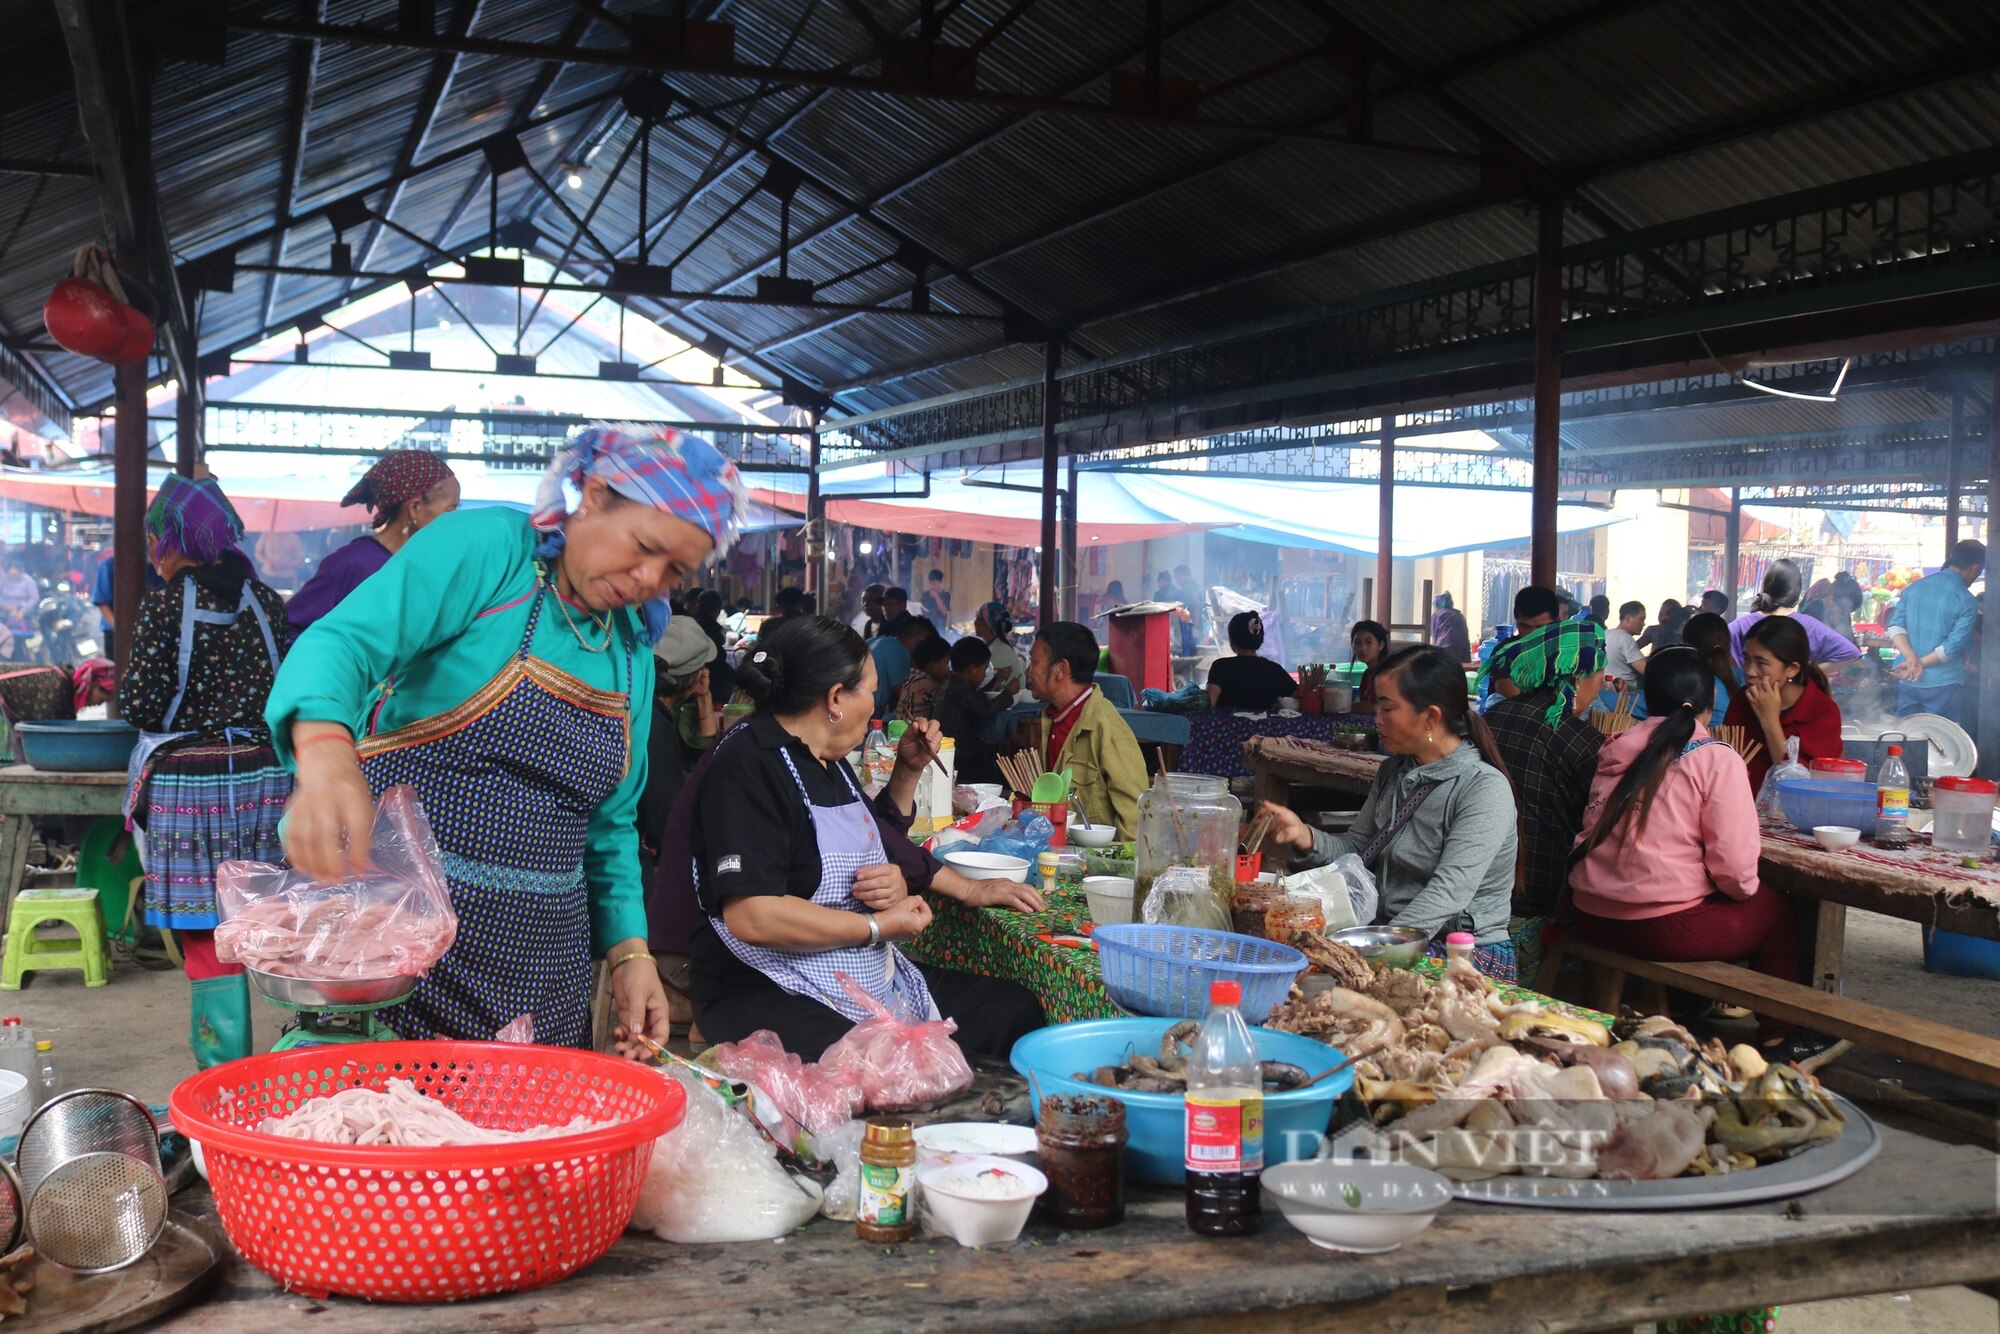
[1081, 730]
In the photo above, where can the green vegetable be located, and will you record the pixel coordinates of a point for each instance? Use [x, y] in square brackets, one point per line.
[1350, 1194]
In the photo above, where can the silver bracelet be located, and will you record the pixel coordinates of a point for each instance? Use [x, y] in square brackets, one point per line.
[874, 930]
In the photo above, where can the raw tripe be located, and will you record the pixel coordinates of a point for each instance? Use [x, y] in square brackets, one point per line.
[399, 1115]
[332, 936]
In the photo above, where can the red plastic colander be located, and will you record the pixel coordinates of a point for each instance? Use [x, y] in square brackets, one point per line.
[399, 1224]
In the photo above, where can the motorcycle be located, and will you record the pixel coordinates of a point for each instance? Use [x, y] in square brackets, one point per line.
[66, 628]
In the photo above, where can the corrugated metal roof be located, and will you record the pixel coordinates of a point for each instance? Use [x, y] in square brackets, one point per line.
[1132, 234]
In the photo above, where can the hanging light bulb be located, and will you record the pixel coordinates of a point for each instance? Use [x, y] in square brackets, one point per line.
[575, 178]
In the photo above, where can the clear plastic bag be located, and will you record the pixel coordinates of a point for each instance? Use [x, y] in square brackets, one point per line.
[1785, 770]
[1345, 888]
[1183, 896]
[713, 1178]
[395, 921]
[842, 1148]
[896, 1064]
[807, 1093]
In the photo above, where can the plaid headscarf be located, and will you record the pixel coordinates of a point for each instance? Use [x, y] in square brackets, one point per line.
[399, 476]
[677, 474]
[192, 518]
[1554, 655]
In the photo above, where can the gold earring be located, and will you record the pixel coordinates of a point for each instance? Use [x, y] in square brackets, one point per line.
[1429, 736]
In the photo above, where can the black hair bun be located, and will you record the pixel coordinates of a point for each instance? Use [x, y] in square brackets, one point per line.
[761, 676]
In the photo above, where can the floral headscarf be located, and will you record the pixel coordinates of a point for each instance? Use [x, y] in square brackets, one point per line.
[398, 477]
[677, 474]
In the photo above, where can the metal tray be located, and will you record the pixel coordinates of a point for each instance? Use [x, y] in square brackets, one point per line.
[181, 1265]
[1814, 1169]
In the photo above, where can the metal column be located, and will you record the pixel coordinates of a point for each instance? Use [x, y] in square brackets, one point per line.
[1069, 570]
[1049, 612]
[187, 422]
[1732, 542]
[816, 534]
[1385, 525]
[128, 505]
[1548, 395]
[1989, 648]
[1954, 469]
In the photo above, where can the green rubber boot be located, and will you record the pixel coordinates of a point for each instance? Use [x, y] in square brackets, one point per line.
[219, 1021]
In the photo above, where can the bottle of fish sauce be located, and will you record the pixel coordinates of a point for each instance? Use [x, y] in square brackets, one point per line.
[882, 1211]
[1225, 1121]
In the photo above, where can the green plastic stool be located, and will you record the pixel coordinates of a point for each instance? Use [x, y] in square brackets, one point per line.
[108, 861]
[27, 952]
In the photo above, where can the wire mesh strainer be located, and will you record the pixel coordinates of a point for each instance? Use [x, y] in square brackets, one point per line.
[97, 1212]
[84, 1121]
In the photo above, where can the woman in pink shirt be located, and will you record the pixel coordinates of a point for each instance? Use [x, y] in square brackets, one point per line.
[1666, 865]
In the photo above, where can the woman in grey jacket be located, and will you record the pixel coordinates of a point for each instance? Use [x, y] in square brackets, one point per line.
[1439, 827]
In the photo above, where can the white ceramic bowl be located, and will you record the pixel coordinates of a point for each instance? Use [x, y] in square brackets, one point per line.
[988, 866]
[987, 1139]
[1363, 1207]
[1835, 837]
[1110, 898]
[974, 1220]
[986, 791]
[1092, 835]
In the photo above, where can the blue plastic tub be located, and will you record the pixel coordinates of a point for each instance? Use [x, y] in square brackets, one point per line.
[1155, 1123]
[1165, 970]
[1960, 955]
[1812, 802]
[72, 746]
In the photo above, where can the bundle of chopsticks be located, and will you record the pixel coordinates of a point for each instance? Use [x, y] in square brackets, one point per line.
[1020, 769]
[1619, 719]
[1737, 737]
[1260, 829]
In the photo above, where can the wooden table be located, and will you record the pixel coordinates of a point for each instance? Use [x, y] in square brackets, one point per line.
[1278, 767]
[1922, 1215]
[27, 795]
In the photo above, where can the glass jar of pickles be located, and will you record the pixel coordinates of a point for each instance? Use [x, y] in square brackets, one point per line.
[1292, 913]
[1189, 820]
[1252, 902]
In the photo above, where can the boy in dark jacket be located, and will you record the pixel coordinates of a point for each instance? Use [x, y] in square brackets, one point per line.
[961, 706]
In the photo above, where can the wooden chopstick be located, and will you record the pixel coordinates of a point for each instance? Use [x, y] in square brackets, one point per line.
[1260, 828]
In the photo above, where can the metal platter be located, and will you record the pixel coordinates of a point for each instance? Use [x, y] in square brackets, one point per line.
[179, 1267]
[1814, 1169]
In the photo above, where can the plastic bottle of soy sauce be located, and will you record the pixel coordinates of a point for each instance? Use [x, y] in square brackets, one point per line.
[1225, 1121]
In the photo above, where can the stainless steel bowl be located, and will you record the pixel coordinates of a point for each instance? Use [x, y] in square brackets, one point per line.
[1396, 946]
[330, 994]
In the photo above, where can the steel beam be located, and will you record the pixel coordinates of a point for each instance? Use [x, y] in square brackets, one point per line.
[1385, 526]
[1954, 469]
[1048, 607]
[633, 59]
[1989, 654]
[111, 101]
[1732, 546]
[18, 166]
[304, 74]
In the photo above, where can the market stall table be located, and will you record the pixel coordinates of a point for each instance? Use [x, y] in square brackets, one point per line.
[1149, 725]
[1217, 738]
[27, 795]
[1280, 763]
[1922, 1215]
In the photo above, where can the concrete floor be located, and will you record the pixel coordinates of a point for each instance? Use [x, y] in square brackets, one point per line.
[132, 1035]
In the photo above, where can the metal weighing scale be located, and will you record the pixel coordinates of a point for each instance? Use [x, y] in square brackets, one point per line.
[330, 1012]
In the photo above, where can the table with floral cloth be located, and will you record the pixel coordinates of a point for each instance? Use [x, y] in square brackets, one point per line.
[994, 942]
[1215, 739]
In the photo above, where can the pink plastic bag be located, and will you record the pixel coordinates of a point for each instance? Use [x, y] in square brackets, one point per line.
[394, 921]
[896, 1064]
[807, 1093]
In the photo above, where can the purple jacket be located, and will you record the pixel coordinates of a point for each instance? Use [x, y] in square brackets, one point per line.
[672, 910]
[337, 576]
[1827, 644]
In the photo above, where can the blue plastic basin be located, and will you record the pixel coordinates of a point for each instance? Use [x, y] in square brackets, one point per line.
[1155, 1123]
[1960, 955]
[71, 746]
[1812, 802]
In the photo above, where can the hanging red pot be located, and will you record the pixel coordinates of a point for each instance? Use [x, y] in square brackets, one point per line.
[138, 341]
[85, 319]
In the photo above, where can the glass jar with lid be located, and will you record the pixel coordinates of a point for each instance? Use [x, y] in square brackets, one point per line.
[1188, 820]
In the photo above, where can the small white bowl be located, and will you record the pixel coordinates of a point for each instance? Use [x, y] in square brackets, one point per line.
[1110, 898]
[988, 866]
[974, 1220]
[1363, 1207]
[981, 1139]
[1835, 837]
[1092, 835]
[986, 791]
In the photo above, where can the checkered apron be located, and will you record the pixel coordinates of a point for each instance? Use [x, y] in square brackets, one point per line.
[848, 840]
[509, 779]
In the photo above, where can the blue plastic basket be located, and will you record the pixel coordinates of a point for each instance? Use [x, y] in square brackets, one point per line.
[1164, 971]
[1812, 802]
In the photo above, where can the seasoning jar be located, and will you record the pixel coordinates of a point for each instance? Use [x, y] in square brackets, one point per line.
[1081, 1149]
[1458, 947]
[1189, 820]
[882, 1210]
[1289, 914]
[1247, 910]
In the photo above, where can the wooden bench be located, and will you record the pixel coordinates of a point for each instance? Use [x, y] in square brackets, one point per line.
[1910, 1037]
